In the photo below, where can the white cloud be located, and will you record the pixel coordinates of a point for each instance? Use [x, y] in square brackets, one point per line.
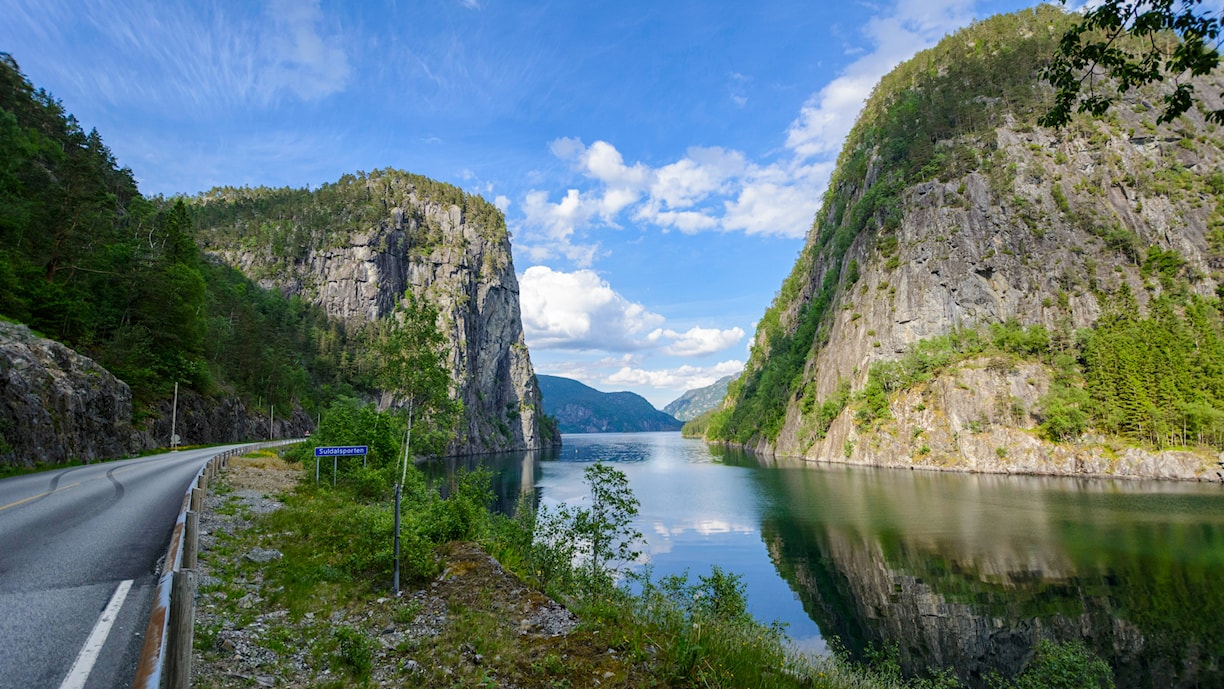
[194, 57]
[699, 341]
[548, 228]
[716, 189]
[681, 378]
[502, 202]
[828, 115]
[581, 311]
[302, 59]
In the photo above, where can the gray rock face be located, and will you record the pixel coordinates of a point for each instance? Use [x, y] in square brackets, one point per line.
[462, 267]
[1026, 239]
[57, 405]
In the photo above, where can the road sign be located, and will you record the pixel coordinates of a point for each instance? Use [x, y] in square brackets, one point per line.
[342, 451]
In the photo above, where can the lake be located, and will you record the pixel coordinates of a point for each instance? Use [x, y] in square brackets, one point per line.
[953, 570]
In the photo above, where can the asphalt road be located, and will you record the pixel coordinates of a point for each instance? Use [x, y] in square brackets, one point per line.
[69, 540]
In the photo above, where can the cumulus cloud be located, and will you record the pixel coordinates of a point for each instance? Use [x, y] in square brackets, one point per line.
[581, 311]
[710, 188]
[716, 189]
[698, 341]
[548, 228]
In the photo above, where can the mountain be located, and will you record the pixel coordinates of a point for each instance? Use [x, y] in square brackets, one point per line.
[979, 293]
[352, 249]
[582, 409]
[255, 308]
[694, 403]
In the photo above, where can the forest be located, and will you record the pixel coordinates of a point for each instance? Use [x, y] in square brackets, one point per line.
[86, 260]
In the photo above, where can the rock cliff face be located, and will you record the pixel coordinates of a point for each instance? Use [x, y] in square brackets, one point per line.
[995, 222]
[58, 405]
[448, 248]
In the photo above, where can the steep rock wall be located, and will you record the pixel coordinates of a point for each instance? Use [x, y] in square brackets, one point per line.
[1007, 222]
[461, 265]
[57, 405]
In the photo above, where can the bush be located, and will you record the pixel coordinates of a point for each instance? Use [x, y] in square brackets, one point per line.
[1062, 666]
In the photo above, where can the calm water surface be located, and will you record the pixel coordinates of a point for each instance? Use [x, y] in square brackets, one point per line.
[953, 570]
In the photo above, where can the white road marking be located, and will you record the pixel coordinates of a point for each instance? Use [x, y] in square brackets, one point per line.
[97, 638]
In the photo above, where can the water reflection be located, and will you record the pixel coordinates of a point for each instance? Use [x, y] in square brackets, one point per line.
[970, 571]
[953, 570]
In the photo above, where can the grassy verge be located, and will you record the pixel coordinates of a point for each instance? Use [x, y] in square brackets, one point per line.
[296, 592]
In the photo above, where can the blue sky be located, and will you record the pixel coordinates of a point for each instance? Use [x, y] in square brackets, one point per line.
[658, 162]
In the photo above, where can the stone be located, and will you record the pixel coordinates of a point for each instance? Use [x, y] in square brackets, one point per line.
[263, 555]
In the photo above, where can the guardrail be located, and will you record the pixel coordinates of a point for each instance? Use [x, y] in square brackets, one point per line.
[165, 656]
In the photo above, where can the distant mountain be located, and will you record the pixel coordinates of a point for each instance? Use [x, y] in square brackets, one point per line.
[694, 403]
[582, 409]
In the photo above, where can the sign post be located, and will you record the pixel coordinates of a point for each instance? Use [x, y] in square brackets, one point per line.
[335, 452]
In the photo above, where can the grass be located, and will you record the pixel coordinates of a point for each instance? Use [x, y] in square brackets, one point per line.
[322, 615]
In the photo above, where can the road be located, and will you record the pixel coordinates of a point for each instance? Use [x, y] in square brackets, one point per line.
[79, 545]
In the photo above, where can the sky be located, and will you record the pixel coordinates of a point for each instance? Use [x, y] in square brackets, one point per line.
[658, 162]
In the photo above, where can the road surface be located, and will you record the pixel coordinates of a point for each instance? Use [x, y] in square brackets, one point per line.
[80, 551]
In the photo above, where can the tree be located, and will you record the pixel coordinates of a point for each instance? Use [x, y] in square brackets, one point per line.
[605, 530]
[411, 368]
[1134, 44]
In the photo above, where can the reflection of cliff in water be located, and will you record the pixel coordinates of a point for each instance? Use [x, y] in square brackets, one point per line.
[514, 475]
[969, 572]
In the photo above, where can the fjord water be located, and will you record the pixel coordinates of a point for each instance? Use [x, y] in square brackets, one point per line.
[952, 570]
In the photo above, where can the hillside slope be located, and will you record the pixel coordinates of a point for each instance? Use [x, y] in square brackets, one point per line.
[579, 408]
[694, 403]
[979, 293]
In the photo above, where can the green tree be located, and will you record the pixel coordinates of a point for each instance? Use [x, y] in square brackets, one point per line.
[412, 370]
[1133, 44]
[605, 530]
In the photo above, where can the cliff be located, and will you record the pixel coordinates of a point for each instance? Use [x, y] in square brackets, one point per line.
[58, 405]
[61, 406]
[355, 247]
[951, 213]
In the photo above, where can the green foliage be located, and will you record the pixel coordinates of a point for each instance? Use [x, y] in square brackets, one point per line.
[1062, 666]
[293, 221]
[464, 513]
[86, 260]
[1135, 44]
[1062, 412]
[354, 653]
[958, 90]
[410, 365]
[708, 638]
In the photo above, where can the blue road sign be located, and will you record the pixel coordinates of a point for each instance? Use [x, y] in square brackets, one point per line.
[341, 451]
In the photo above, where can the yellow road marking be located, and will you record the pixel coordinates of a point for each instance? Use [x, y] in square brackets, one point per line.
[35, 497]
